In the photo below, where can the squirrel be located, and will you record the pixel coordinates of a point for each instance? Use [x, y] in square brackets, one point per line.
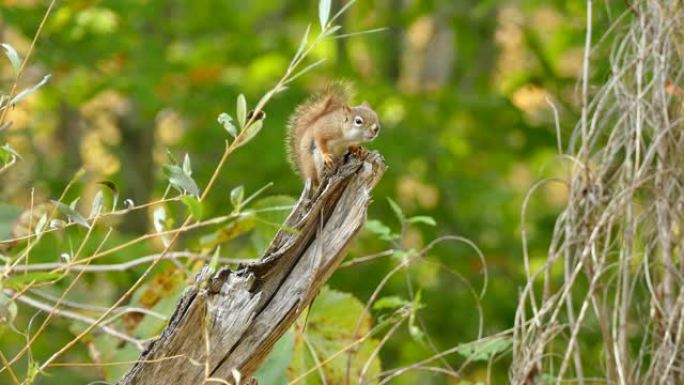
[324, 127]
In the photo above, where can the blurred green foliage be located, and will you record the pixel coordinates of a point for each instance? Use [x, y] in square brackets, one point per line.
[461, 88]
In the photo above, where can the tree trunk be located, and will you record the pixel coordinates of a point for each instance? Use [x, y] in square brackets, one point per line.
[231, 321]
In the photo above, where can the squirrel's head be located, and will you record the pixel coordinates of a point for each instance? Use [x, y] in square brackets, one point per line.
[362, 123]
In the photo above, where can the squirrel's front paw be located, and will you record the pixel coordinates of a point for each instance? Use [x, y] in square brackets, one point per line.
[357, 150]
[328, 160]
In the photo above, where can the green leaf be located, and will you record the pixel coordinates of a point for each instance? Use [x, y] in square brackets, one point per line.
[21, 95]
[332, 30]
[40, 225]
[242, 225]
[302, 45]
[423, 219]
[194, 206]
[323, 12]
[391, 302]
[397, 210]
[274, 370]
[8, 311]
[484, 349]
[404, 255]
[73, 203]
[115, 192]
[21, 280]
[306, 69]
[242, 110]
[381, 230]
[377, 227]
[96, 207]
[159, 222]
[72, 214]
[7, 152]
[414, 330]
[250, 132]
[214, 261]
[13, 57]
[187, 166]
[332, 320]
[236, 196]
[226, 121]
[180, 180]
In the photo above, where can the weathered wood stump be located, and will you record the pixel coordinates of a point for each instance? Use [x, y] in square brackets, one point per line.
[231, 321]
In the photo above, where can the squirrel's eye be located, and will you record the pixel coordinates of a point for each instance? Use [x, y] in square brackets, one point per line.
[358, 121]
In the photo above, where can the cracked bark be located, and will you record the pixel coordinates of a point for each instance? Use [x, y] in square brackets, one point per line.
[232, 319]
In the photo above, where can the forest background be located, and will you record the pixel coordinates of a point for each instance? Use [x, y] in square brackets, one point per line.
[465, 91]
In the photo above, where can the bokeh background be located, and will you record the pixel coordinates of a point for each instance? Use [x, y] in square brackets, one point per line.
[464, 91]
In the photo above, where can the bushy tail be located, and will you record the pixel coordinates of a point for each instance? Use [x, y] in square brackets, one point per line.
[333, 96]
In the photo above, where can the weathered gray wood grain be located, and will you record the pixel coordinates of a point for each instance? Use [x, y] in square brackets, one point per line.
[232, 319]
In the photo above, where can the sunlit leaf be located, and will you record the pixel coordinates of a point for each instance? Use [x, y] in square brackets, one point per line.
[72, 214]
[241, 110]
[21, 280]
[416, 333]
[380, 229]
[302, 45]
[96, 207]
[332, 30]
[24, 93]
[115, 192]
[214, 261]
[390, 302]
[56, 224]
[7, 152]
[483, 350]
[8, 312]
[404, 255]
[40, 226]
[194, 206]
[13, 57]
[236, 196]
[250, 132]
[187, 166]
[305, 70]
[344, 8]
[227, 122]
[323, 12]
[180, 180]
[232, 230]
[397, 210]
[159, 222]
[423, 219]
[74, 203]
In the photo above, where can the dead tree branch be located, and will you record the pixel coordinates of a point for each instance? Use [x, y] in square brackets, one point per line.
[231, 321]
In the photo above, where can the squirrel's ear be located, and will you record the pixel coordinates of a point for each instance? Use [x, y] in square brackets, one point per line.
[365, 104]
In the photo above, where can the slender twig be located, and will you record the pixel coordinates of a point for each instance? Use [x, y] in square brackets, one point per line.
[58, 266]
[50, 309]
